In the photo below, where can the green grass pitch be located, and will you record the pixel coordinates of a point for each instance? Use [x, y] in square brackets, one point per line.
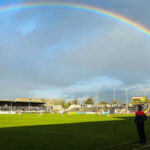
[70, 132]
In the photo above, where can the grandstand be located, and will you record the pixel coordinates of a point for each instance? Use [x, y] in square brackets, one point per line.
[23, 104]
[52, 105]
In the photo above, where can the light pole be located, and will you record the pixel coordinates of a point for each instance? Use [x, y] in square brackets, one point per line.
[114, 94]
[29, 104]
[97, 96]
[11, 104]
[126, 99]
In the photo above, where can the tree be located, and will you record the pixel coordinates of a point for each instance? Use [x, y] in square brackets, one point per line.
[103, 102]
[68, 104]
[90, 100]
[75, 101]
[115, 102]
[62, 102]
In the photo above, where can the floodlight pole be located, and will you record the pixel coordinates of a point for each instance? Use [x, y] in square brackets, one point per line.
[144, 93]
[29, 104]
[126, 99]
[114, 94]
[97, 96]
[100, 96]
[11, 104]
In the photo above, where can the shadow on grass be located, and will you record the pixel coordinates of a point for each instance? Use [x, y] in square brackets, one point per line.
[76, 136]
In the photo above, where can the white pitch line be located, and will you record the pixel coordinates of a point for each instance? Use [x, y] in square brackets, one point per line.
[126, 142]
[142, 147]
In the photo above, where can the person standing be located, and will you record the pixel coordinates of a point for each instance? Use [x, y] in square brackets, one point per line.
[140, 117]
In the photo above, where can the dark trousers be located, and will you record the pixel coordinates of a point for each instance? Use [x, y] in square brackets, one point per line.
[141, 133]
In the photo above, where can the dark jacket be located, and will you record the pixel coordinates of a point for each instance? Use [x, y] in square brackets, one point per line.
[140, 117]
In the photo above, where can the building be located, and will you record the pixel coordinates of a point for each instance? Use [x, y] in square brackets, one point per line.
[21, 102]
[139, 100]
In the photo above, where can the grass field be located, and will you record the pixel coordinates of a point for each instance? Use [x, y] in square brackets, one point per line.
[69, 132]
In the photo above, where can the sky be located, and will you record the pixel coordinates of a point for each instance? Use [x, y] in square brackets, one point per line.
[70, 53]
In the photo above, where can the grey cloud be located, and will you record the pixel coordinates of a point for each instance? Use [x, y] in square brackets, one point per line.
[118, 53]
[86, 46]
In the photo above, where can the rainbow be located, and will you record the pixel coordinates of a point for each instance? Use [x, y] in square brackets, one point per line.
[82, 7]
